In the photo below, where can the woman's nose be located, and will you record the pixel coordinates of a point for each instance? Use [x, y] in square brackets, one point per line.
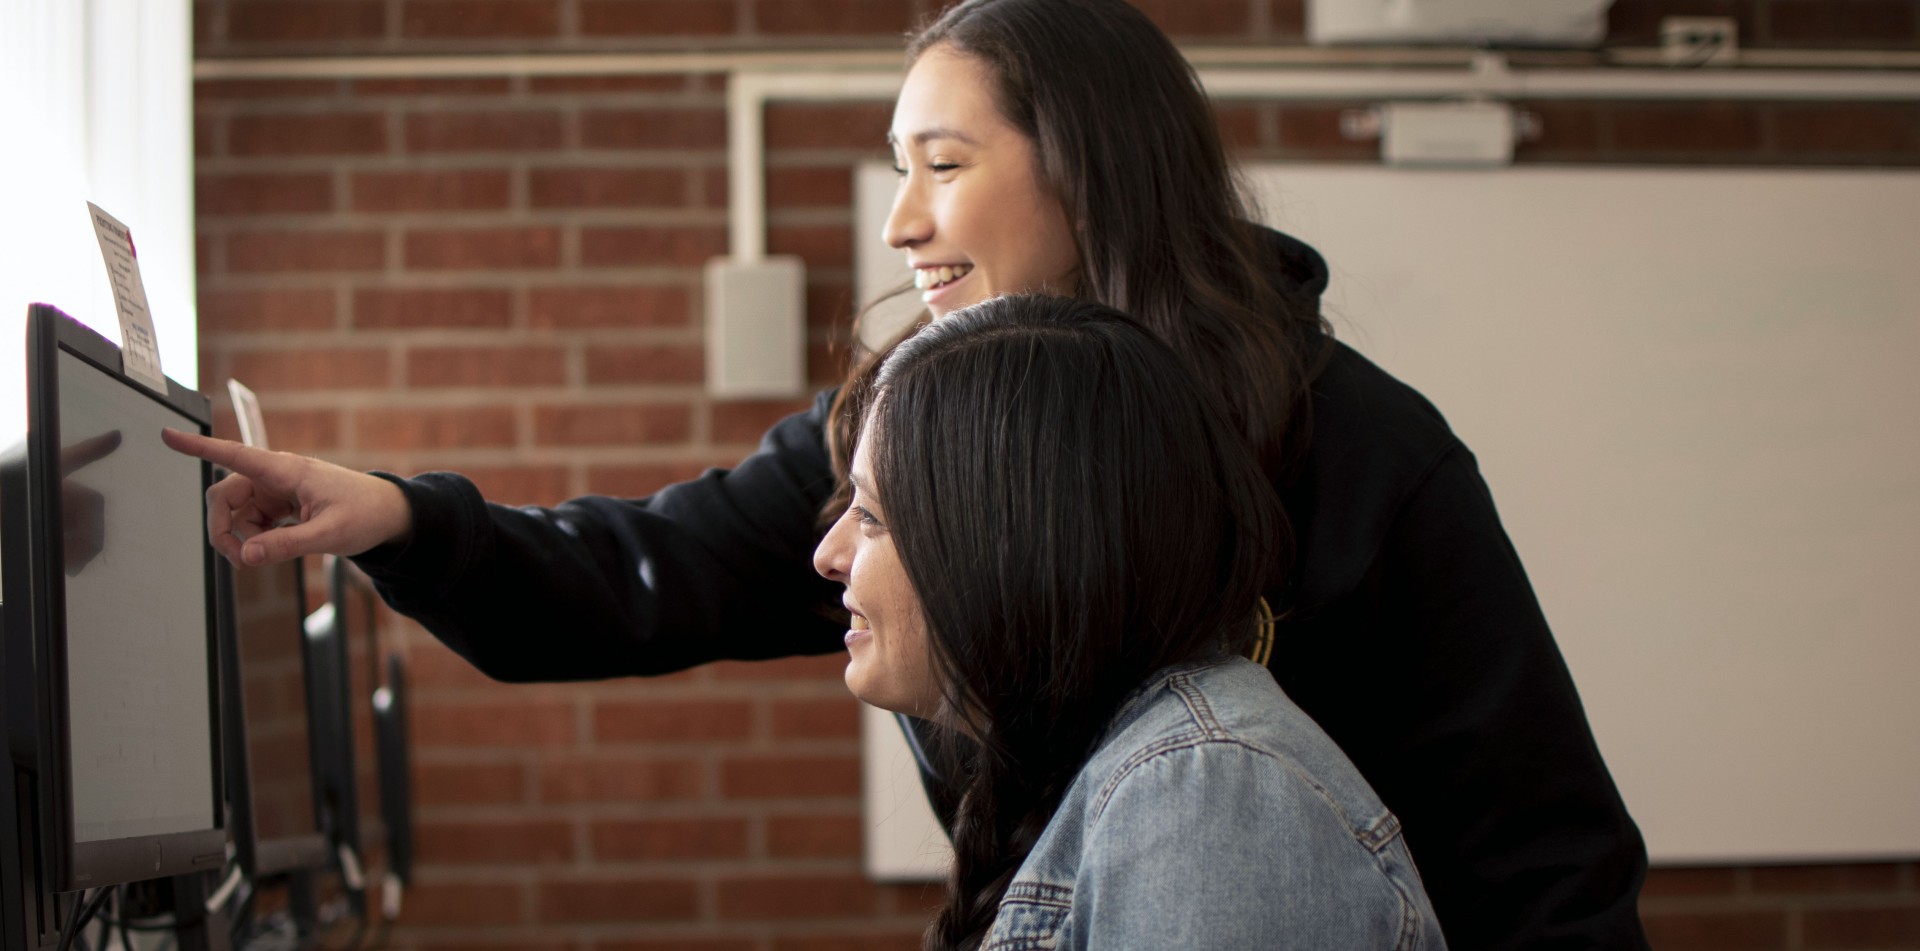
[834, 556]
[908, 223]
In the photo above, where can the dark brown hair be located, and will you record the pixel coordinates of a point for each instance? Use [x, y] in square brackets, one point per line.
[1074, 513]
[1127, 140]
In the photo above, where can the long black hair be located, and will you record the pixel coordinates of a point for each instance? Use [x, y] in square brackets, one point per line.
[1128, 142]
[1075, 512]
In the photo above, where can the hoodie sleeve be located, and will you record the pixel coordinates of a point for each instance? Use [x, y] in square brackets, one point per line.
[716, 568]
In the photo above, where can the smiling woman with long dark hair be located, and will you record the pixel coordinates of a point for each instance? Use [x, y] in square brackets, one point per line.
[1065, 147]
[1056, 546]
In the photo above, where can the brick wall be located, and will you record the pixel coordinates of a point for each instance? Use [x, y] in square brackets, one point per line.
[502, 276]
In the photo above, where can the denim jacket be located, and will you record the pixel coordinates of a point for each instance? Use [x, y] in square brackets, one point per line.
[1216, 814]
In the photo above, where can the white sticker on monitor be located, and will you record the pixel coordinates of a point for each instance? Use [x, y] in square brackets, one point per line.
[139, 346]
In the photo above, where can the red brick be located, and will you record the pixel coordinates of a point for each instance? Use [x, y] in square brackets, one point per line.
[682, 943]
[471, 189]
[612, 425]
[1637, 22]
[408, 308]
[1315, 130]
[783, 777]
[1862, 927]
[433, 86]
[1848, 127]
[1826, 879]
[529, 723]
[1287, 19]
[524, 131]
[265, 311]
[891, 940]
[468, 904]
[1690, 882]
[463, 427]
[653, 18]
[807, 187]
[486, 366]
[829, 304]
[329, 133]
[828, 836]
[206, 135]
[815, 719]
[520, 485]
[745, 421]
[713, 188]
[650, 246]
[313, 369]
[480, 19]
[620, 900]
[518, 841]
[1717, 930]
[303, 430]
[701, 128]
[608, 188]
[1239, 126]
[1710, 127]
[821, 126]
[1566, 129]
[668, 839]
[1214, 19]
[1887, 24]
[665, 82]
[583, 308]
[667, 721]
[207, 90]
[621, 779]
[820, 245]
[794, 896]
[483, 249]
[272, 251]
[435, 667]
[263, 194]
[832, 17]
[661, 363]
[639, 481]
[315, 21]
[825, 667]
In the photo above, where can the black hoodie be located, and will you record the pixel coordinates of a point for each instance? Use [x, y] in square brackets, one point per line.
[1410, 633]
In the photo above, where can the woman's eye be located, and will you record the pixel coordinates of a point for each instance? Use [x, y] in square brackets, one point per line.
[943, 166]
[866, 518]
[899, 169]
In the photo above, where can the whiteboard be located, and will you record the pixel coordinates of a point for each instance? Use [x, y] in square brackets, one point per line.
[1693, 392]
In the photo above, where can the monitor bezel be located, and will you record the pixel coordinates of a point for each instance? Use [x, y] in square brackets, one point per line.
[330, 700]
[395, 763]
[263, 857]
[36, 669]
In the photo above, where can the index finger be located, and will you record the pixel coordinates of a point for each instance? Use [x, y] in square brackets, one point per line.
[270, 468]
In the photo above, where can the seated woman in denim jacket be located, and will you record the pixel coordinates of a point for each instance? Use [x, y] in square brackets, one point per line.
[1056, 546]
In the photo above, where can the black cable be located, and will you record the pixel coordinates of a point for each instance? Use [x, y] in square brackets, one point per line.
[84, 909]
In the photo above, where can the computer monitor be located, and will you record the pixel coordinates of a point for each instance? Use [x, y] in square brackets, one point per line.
[396, 778]
[357, 611]
[110, 641]
[346, 674]
[272, 777]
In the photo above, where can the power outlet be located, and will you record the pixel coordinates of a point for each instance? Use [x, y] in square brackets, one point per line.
[1700, 41]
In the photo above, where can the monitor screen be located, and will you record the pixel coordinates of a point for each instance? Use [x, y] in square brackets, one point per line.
[138, 689]
[276, 824]
[110, 636]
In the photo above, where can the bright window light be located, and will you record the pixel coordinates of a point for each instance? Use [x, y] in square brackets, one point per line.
[96, 104]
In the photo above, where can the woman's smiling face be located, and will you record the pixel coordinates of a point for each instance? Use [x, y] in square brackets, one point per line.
[890, 663]
[971, 212]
